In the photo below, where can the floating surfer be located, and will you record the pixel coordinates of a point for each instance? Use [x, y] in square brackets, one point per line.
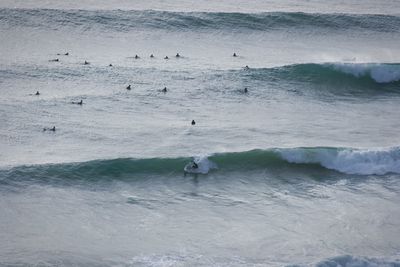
[195, 165]
[192, 167]
[77, 103]
[50, 129]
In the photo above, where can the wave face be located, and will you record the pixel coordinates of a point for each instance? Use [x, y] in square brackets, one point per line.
[344, 73]
[351, 75]
[344, 160]
[119, 20]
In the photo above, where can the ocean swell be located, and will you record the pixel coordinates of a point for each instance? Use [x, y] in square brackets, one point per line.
[118, 20]
[345, 160]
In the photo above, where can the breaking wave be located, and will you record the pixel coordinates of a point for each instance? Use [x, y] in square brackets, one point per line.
[345, 160]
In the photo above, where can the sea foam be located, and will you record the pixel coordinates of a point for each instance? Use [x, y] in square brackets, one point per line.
[351, 161]
[381, 73]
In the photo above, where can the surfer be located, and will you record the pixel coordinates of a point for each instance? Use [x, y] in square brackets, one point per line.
[193, 122]
[86, 63]
[128, 87]
[166, 57]
[50, 129]
[136, 57]
[151, 56]
[110, 65]
[66, 54]
[234, 55]
[37, 93]
[78, 103]
[164, 90]
[177, 55]
[54, 60]
[247, 67]
[245, 90]
[195, 165]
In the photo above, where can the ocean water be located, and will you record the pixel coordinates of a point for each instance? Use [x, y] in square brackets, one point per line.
[303, 169]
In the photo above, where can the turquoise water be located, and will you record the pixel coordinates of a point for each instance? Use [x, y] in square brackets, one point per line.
[300, 170]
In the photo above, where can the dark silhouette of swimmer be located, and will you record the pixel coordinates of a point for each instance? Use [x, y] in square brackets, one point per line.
[166, 57]
[128, 87]
[50, 129]
[177, 55]
[247, 67]
[54, 60]
[78, 103]
[151, 56]
[193, 122]
[195, 165]
[86, 63]
[37, 93]
[164, 90]
[110, 65]
[136, 56]
[234, 55]
[245, 90]
[66, 54]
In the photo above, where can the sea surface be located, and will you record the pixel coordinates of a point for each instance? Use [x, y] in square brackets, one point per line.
[300, 169]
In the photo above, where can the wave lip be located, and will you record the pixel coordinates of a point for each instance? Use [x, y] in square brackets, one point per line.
[380, 73]
[350, 161]
[345, 73]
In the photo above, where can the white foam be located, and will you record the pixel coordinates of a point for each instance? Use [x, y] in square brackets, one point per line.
[381, 73]
[351, 161]
[203, 163]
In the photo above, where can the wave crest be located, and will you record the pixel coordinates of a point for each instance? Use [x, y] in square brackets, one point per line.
[345, 160]
[350, 161]
[380, 73]
[356, 74]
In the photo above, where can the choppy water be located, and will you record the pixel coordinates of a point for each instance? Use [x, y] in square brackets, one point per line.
[300, 170]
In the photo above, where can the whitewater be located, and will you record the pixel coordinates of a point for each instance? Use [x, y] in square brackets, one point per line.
[292, 159]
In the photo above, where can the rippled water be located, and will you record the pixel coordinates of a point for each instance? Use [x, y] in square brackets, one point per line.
[301, 169]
